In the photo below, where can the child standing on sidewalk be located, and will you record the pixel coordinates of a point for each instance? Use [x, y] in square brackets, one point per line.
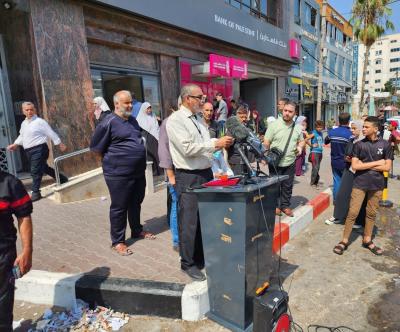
[316, 152]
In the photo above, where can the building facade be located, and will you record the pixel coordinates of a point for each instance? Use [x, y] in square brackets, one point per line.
[306, 26]
[338, 60]
[61, 54]
[383, 67]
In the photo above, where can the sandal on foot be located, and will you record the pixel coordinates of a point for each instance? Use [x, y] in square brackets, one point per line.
[340, 248]
[122, 249]
[375, 249]
[144, 235]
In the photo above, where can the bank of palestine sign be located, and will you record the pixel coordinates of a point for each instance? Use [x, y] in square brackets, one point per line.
[213, 18]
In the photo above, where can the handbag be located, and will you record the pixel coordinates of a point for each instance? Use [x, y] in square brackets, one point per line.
[274, 155]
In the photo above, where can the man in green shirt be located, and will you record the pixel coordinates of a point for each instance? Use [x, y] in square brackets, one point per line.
[277, 136]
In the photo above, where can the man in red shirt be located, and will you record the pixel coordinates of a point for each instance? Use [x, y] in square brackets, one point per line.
[14, 200]
[394, 138]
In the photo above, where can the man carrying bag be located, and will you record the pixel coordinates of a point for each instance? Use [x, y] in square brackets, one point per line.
[284, 135]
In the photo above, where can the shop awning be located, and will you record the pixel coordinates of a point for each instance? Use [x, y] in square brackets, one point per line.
[295, 80]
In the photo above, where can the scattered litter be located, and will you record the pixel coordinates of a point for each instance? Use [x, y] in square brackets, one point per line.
[103, 198]
[35, 314]
[17, 324]
[47, 314]
[82, 318]
[22, 304]
[41, 325]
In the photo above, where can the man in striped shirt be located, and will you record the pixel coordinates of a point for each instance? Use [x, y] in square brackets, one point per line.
[14, 200]
[338, 138]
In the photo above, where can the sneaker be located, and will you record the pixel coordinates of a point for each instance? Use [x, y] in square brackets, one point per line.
[63, 179]
[332, 220]
[35, 196]
[194, 273]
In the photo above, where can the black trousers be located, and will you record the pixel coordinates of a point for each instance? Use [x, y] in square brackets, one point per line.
[190, 241]
[286, 185]
[7, 286]
[316, 163]
[239, 169]
[37, 157]
[127, 195]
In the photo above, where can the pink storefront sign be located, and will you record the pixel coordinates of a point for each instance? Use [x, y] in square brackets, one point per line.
[238, 68]
[219, 65]
[294, 48]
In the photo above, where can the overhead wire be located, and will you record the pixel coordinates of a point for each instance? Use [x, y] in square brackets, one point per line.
[327, 68]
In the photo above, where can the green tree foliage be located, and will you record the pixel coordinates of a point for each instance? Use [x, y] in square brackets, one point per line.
[370, 19]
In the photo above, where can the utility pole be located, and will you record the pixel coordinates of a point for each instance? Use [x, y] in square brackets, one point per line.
[321, 59]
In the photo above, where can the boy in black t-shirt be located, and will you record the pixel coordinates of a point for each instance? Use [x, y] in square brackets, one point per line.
[14, 200]
[371, 157]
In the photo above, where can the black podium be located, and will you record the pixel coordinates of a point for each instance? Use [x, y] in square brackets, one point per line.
[237, 225]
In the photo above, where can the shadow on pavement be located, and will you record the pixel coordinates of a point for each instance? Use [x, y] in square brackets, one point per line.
[298, 201]
[280, 271]
[156, 226]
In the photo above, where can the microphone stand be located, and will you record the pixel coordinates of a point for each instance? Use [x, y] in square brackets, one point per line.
[250, 171]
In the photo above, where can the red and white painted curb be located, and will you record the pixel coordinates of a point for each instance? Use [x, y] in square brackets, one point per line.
[289, 227]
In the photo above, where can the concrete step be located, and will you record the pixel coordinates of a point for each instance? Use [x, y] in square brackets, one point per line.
[91, 185]
[139, 297]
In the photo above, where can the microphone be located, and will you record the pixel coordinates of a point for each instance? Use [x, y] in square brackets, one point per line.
[243, 134]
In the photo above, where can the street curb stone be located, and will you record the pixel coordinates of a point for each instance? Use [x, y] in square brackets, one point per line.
[173, 300]
[303, 216]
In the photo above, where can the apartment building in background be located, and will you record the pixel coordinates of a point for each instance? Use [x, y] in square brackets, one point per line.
[383, 66]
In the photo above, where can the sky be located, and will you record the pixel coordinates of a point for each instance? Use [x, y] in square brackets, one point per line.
[344, 8]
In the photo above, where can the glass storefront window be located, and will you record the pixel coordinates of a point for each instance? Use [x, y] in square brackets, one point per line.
[151, 93]
[309, 64]
[340, 66]
[332, 63]
[146, 87]
[264, 9]
[348, 71]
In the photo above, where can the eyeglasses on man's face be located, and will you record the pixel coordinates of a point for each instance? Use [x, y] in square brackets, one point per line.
[201, 98]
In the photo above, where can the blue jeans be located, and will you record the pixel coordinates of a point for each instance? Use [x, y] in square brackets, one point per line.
[337, 177]
[173, 217]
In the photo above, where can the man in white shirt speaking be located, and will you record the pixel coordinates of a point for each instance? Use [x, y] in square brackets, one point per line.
[191, 150]
[33, 136]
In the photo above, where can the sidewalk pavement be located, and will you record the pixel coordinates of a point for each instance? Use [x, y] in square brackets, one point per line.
[74, 238]
[358, 289]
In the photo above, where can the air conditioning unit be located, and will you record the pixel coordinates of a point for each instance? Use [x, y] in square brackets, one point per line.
[325, 52]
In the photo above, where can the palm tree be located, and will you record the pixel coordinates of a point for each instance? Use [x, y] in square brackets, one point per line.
[370, 19]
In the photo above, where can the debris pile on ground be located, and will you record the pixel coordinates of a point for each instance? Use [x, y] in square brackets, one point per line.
[81, 318]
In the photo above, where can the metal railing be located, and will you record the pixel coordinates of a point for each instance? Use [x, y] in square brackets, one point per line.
[65, 156]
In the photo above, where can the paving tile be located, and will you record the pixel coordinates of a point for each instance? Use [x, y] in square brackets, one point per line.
[74, 237]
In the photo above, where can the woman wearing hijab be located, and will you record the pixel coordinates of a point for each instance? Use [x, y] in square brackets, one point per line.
[344, 192]
[151, 132]
[148, 121]
[101, 109]
[300, 159]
